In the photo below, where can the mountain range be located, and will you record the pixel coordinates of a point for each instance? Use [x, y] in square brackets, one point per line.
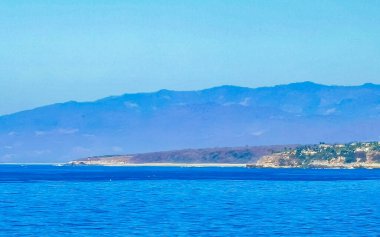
[225, 116]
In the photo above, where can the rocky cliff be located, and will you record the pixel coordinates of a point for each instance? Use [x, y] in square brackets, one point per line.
[350, 155]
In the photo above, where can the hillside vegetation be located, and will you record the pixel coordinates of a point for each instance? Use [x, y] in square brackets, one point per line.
[350, 155]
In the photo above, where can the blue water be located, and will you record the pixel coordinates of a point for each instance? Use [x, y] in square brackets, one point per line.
[151, 201]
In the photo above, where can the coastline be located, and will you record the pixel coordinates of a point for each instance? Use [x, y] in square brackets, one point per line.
[320, 166]
[205, 165]
[21, 164]
[159, 164]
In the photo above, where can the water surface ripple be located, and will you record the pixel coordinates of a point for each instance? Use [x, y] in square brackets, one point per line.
[154, 201]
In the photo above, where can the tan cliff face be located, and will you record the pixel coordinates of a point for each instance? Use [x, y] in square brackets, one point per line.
[278, 160]
[373, 157]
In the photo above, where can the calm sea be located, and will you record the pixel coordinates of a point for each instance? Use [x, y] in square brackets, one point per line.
[151, 201]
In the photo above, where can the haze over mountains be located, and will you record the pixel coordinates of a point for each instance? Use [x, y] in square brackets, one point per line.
[299, 113]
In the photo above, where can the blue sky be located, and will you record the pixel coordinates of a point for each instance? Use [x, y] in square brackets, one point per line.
[53, 51]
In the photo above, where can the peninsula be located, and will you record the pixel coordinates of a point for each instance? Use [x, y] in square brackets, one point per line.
[222, 157]
[350, 155]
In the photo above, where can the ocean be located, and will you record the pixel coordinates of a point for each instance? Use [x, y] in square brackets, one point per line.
[38, 200]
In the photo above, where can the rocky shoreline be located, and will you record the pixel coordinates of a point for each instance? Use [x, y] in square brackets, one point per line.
[358, 165]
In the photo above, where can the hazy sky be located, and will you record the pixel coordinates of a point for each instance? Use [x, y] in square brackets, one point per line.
[52, 51]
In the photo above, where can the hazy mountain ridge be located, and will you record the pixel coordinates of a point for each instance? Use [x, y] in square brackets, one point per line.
[299, 113]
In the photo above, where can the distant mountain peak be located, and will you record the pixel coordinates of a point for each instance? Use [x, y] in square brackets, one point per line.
[228, 88]
[164, 91]
[370, 85]
[305, 85]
